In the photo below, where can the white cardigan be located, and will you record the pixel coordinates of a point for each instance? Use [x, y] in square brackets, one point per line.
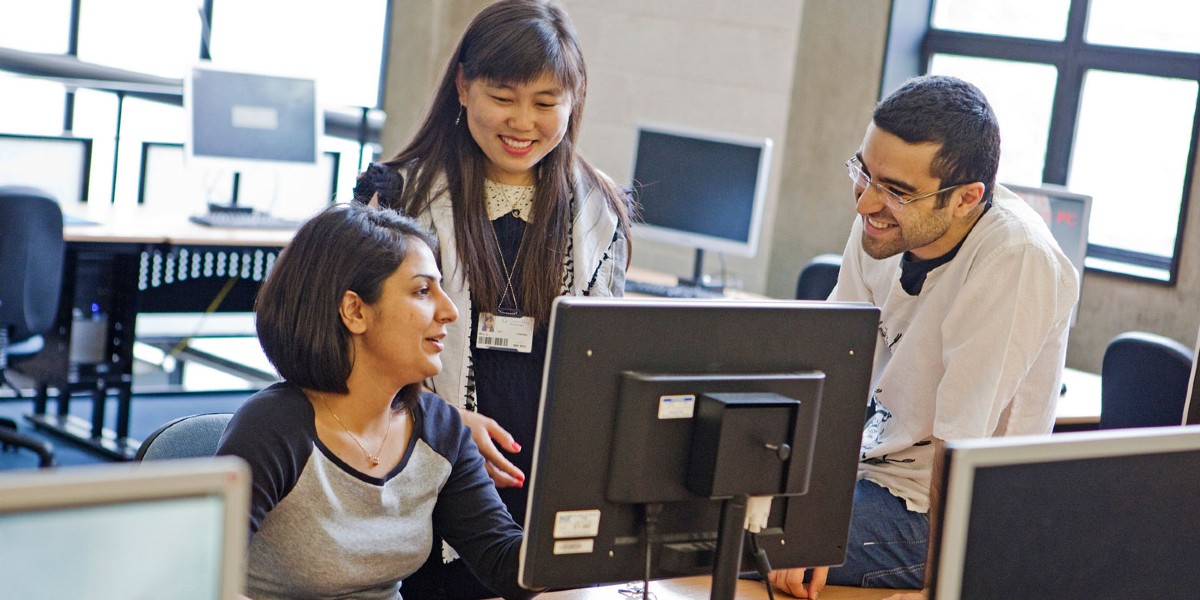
[599, 253]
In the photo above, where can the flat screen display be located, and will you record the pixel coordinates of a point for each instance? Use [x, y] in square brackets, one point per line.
[59, 165]
[248, 116]
[700, 189]
[623, 429]
[1074, 515]
[159, 529]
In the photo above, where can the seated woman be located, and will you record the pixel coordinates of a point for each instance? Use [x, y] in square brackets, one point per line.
[353, 465]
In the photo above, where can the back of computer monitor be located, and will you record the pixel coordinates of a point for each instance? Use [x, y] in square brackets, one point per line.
[623, 381]
[163, 529]
[61, 165]
[1072, 515]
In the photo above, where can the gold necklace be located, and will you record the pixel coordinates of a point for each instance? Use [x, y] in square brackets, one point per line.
[372, 458]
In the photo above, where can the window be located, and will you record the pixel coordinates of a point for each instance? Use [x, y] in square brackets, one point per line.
[343, 46]
[1098, 95]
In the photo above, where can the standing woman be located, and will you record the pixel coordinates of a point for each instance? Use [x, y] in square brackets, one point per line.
[521, 217]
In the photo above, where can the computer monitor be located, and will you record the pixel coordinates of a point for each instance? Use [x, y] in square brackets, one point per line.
[1067, 215]
[1095, 514]
[249, 121]
[701, 189]
[168, 180]
[60, 165]
[631, 384]
[1191, 409]
[165, 529]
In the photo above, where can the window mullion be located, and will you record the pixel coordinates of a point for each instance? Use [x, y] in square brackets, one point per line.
[1157, 63]
[1067, 93]
[940, 41]
[1184, 200]
[1063, 119]
[72, 50]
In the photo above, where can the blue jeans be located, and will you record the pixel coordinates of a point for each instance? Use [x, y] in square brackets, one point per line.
[887, 542]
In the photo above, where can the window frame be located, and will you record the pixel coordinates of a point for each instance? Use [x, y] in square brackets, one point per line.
[912, 42]
[361, 125]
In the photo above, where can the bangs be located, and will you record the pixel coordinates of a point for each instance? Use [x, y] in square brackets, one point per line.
[522, 55]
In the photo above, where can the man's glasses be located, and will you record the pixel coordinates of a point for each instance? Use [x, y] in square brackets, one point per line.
[861, 181]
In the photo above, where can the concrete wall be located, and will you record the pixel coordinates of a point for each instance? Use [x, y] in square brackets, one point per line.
[804, 73]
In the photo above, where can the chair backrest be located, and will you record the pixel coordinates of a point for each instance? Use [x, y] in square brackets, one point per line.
[31, 259]
[186, 437]
[1144, 381]
[818, 277]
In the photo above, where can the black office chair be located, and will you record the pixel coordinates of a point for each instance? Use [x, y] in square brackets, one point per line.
[186, 437]
[31, 260]
[818, 277]
[1144, 381]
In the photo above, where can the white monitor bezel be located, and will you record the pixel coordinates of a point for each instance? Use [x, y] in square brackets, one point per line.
[965, 456]
[1191, 407]
[59, 165]
[100, 485]
[748, 248]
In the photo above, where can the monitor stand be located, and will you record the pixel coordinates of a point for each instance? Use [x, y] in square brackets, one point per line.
[232, 207]
[697, 279]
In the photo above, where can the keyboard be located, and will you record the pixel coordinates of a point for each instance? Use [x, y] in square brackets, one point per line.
[670, 291]
[245, 220]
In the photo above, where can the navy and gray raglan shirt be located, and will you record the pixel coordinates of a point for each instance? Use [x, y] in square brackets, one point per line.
[322, 529]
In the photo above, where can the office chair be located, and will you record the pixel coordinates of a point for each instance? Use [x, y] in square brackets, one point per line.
[818, 277]
[186, 437]
[31, 261]
[1143, 381]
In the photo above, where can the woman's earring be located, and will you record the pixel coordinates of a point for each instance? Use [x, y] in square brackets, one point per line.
[459, 117]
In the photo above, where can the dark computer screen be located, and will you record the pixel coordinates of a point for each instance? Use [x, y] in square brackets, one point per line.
[1071, 515]
[699, 189]
[626, 430]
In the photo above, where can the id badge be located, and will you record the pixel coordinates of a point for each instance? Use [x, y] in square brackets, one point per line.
[509, 333]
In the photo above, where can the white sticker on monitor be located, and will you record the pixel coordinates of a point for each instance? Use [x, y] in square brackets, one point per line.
[573, 546]
[254, 117]
[677, 406]
[576, 524]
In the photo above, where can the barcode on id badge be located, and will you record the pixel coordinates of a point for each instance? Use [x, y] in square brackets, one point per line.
[494, 341]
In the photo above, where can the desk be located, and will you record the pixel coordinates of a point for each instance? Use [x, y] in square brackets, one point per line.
[134, 259]
[650, 276]
[690, 588]
[1079, 406]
